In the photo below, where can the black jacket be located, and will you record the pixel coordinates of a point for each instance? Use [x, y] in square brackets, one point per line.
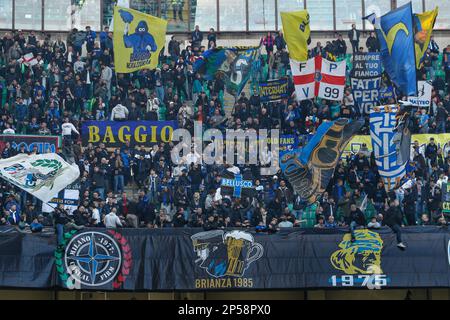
[358, 217]
[394, 216]
[372, 44]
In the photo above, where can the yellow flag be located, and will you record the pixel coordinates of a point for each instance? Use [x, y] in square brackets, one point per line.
[423, 24]
[138, 40]
[296, 33]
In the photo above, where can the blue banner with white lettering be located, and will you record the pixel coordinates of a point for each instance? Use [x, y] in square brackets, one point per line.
[116, 133]
[366, 93]
[366, 65]
[366, 80]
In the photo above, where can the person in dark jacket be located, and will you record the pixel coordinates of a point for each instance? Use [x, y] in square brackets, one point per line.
[280, 43]
[356, 219]
[372, 43]
[409, 205]
[394, 219]
[212, 38]
[196, 37]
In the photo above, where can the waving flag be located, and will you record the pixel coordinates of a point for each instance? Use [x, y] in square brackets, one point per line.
[319, 77]
[297, 33]
[138, 40]
[391, 145]
[396, 36]
[233, 64]
[310, 169]
[423, 28]
[43, 175]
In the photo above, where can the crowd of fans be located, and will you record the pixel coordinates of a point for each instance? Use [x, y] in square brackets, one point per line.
[73, 80]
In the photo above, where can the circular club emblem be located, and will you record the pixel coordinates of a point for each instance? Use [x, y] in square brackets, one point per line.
[318, 76]
[95, 256]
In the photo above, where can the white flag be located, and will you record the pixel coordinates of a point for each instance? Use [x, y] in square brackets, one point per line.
[43, 175]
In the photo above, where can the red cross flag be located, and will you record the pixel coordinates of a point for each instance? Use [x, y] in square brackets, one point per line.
[319, 77]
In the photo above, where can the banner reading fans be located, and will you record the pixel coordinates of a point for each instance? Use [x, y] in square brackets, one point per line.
[229, 259]
[138, 40]
[273, 90]
[319, 77]
[366, 80]
[115, 134]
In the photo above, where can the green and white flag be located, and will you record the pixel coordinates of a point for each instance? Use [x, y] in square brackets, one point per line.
[41, 175]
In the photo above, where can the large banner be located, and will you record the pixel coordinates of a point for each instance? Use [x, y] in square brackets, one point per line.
[44, 144]
[139, 259]
[138, 40]
[115, 133]
[273, 90]
[365, 80]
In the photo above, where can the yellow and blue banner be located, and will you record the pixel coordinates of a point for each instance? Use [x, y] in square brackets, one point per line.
[423, 28]
[396, 35]
[114, 134]
[138, 40]
[297, 32]
[274, 90]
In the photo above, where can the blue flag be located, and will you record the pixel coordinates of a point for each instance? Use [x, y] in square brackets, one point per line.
[396, 35]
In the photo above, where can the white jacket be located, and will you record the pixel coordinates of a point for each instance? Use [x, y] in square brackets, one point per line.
[112, 220]
[119, 112]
